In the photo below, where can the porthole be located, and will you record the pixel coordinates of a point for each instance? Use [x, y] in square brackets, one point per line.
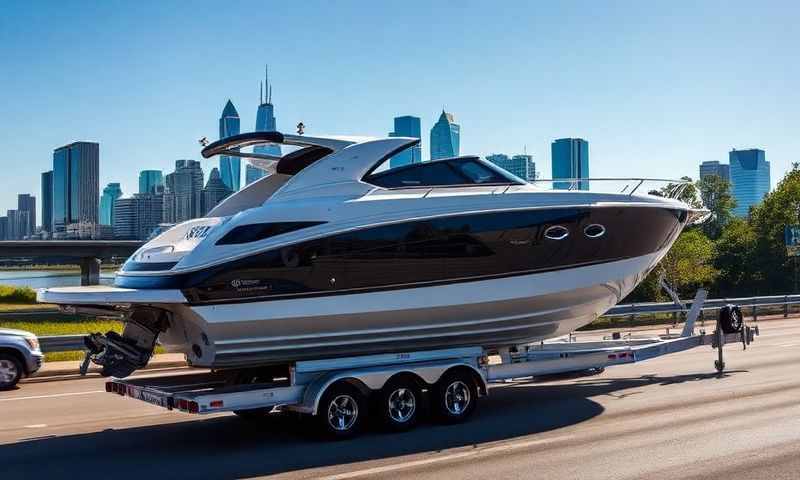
[556, 232]
[594, 230]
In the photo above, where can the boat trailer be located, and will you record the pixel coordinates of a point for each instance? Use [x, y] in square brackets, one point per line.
[452, 377]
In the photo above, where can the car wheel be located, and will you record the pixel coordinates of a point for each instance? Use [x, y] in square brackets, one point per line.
[10, 371]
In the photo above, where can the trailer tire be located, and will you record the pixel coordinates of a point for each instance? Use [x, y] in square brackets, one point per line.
[399, 404]
[730, 319]
[11, 371]
[455, 396]
[342, 411]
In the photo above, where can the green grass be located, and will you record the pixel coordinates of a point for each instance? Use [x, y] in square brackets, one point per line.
[27, 307]
[58, 324]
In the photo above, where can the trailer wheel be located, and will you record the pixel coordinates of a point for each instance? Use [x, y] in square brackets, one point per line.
[730, 319]
[341, 411]
[10, 371]
[399, 404]
[455, 397]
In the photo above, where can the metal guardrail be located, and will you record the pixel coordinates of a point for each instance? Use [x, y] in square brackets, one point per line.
[635, 309]
[68, 343]
[61, 343]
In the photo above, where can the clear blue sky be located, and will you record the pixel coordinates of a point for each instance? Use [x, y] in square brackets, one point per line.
[655, 87]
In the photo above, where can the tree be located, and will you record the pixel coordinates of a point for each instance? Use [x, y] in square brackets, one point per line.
[779, 208]
[716, 196]
[739, 271]
[687, 267]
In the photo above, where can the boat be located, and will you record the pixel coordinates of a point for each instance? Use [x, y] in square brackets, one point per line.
[333, 254]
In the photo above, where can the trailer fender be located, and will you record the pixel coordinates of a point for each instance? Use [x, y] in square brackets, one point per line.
[373, 379]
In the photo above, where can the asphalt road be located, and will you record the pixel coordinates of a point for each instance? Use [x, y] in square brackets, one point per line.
[662, 419]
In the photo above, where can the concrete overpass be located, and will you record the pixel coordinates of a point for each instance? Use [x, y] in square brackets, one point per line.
[88, 253]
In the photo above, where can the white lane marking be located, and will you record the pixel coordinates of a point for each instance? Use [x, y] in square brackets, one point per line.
[55, 395]
[444, 458]
[37, 425]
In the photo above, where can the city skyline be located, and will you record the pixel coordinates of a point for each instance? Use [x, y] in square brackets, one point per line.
[656, 88]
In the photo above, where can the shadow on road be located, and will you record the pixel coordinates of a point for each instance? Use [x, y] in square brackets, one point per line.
[229, 447]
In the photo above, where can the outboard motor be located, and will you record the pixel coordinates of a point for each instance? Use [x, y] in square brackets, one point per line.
[121, 355]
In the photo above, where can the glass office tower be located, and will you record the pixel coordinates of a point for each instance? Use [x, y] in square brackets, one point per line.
[230, 167]
[76, 184]
[110, 194]
[521, 166]
[47, 201]
[570, 159]
[445, 137]
[407, 126]
[750, 180]
[715, 168]
[150, 180]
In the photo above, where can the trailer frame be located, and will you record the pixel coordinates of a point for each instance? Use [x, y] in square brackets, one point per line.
[306, 382]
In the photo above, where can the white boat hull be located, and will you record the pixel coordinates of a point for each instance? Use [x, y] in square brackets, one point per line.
[491, 313]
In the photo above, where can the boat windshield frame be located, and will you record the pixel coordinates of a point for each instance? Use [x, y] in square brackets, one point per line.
[507, 178]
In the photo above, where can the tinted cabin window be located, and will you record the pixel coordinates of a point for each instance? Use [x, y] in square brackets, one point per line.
[260, 231]
[458, 171]
[480, 174]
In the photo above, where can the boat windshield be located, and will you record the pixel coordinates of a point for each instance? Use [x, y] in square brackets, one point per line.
[448, 171]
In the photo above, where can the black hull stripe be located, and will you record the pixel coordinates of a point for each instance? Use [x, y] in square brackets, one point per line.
[389, 288]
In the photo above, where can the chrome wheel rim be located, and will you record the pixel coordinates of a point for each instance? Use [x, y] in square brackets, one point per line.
[402, 405]
[8, 372]
[342, 413]
[457, 397]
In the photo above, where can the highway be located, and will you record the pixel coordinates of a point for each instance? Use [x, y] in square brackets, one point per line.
[662, 419]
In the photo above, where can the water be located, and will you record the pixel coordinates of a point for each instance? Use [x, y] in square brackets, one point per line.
[47, 278]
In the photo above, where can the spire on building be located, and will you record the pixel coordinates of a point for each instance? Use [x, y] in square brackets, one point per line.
[229, 110]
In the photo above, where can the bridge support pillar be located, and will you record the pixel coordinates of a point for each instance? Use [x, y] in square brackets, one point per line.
[90, 271]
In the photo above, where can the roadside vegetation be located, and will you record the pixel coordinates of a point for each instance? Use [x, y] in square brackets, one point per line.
[730, 256]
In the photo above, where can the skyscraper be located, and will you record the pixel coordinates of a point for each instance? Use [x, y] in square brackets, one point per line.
[520, 165]
[230, 167]
[136, 217]
[407, 126]
[715, 168]
[12, 232]
[445, 137]
[265, 122]
[26, 209]
[214, 192]
[265, 117]
[570, 159]
[750, 180]
[110, 194]
[183, 191]
[149, 180]
[4, 228]
[76, 184]
[47, 201]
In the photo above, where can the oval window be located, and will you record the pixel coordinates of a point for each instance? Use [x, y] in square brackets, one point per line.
[556, 232]
[594, 230]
